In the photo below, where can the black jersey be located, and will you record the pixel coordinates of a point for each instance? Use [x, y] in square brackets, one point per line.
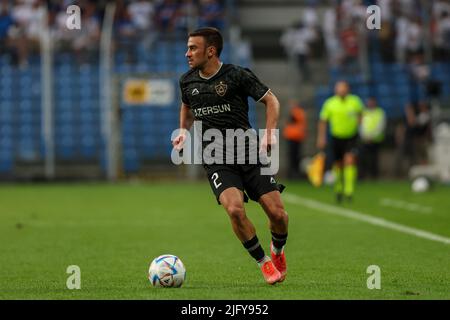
[221, 101]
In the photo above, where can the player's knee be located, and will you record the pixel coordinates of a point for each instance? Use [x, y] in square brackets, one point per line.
[236, 212]
[278, 214]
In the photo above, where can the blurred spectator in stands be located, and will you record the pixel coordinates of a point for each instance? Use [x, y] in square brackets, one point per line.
[142, 16]
[165, 15]
[372, 128]
[420, 70]
[6, 29]
[36, 20]
[386, 10]
[407, 8]
[296, 41]
[351, 19]
[22, 12]
[441, 38]
[86, 41]
[421, 84]
[414, 38]
[124, 32]
[357, 11]
[386, 34]
[439, 7]
[330, 33]
[211, 14]
[286, 41]
[310, 17]
[62, 34]
[401, 39]
[295, 133]
[310, 14]
[29, 18]
[186, 17]
[418, 132]
[350, 44]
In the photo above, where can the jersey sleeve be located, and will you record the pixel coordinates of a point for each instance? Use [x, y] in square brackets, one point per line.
[325, 112]
[251, 85]
[184, 97]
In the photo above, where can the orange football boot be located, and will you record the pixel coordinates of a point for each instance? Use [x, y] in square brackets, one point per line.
[270, 272]
[279, 260]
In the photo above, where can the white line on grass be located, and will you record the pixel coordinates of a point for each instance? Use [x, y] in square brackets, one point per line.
[327, 208]
[387, 202]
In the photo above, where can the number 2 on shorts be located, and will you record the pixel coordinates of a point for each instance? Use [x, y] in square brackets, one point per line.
[214, 178]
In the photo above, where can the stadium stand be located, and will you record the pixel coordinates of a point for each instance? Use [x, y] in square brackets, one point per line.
[391, 84]
[145, 131]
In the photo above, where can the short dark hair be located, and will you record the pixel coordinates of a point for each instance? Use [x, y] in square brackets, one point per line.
[212, 37]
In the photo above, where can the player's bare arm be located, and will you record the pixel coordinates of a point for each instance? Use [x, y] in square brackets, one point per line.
[186, 121]
[272, 114]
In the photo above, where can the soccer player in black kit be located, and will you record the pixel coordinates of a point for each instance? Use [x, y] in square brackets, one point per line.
[216, 94]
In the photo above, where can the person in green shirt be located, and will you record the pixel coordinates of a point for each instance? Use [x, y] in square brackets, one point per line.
[342, 112]
[371, 131]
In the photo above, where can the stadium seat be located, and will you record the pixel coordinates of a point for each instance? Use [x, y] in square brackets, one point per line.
[77, 109]
[6, 142]
[6, 163]
[131, 162]
[27, 150]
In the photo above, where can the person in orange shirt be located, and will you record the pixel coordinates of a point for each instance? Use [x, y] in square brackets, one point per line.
[295, 133]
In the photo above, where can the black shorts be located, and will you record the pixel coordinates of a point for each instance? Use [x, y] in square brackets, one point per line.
[245, 177]
[343, 146]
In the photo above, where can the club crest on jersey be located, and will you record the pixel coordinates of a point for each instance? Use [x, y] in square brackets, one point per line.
[221, 89]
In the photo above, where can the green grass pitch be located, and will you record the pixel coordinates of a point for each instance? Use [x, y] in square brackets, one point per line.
[112, 232]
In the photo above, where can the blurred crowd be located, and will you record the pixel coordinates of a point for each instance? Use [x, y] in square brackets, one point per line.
[21, 22]
[407, 28]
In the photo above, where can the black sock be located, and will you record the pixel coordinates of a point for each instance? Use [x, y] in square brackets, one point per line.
[254, 248]
[279, 240]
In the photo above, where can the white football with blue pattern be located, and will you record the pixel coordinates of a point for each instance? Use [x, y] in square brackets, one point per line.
[167, 271]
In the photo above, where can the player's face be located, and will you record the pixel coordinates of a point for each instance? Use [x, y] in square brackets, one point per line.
[197, 52]
[342, 89]
[371, 103]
